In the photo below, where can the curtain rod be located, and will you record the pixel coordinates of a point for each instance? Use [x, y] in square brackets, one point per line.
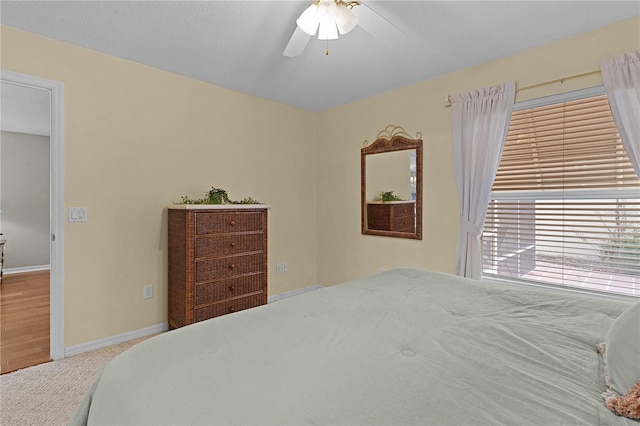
[544, 83]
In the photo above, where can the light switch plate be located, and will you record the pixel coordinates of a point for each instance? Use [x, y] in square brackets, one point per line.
[77, 214]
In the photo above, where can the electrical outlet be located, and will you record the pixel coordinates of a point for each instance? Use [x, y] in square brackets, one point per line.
[147, 292]
[281, 268]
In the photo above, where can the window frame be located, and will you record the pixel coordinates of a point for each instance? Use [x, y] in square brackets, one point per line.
[571, 194]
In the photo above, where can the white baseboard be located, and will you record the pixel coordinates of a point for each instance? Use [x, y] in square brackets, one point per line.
[280, 296]
[114, 340]
[23, 269]
[158, 328]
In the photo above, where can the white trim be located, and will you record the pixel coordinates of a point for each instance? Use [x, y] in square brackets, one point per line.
[57, 220]
[26, 269]
[159, 328]
[280, 296]
[56, 89]
[560, 97]
[114, 340]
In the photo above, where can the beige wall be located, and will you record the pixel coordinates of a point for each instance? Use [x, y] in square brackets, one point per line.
[343, 253]
[137, 138]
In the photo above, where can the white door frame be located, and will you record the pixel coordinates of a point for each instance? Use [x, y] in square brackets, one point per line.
[56, 89]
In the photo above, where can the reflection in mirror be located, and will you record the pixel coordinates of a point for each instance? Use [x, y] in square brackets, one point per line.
[391, 172]
[392, 185]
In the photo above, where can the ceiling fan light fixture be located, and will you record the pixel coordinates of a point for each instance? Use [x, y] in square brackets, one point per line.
[327, 11]
[308, 21]
[346, 20]
[328, 31]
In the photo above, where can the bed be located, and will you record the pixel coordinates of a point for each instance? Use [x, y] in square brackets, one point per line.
[402, 347]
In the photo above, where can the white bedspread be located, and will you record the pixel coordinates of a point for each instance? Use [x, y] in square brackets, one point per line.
[402, 347]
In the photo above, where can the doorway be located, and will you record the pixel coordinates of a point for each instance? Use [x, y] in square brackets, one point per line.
[18, 88]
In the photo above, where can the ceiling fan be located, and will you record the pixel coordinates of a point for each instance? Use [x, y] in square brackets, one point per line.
[327, 18]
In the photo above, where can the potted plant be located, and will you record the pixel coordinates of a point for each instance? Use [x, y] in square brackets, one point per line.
[217, 196]
[387, 196]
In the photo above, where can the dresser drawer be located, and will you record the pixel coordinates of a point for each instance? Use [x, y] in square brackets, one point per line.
[224, 267]
[404, 224]
[225, 222]
[235, 305]
[225, 245]
[217, 291]
[401, 210]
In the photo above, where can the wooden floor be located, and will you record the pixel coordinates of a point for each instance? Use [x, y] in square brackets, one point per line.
[24, 320]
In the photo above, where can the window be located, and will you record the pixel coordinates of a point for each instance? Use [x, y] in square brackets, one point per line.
[565, 205]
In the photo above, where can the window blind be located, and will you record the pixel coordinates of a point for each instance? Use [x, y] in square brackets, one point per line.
[565, 205]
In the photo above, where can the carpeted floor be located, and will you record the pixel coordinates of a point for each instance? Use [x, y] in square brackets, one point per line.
[48, 394]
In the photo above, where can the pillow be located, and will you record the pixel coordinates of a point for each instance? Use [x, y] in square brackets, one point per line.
[627, 405]
[623, 350]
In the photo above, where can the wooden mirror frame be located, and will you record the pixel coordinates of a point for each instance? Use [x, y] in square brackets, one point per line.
[392, 139]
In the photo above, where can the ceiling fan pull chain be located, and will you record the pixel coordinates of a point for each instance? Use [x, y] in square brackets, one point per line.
[326, 52]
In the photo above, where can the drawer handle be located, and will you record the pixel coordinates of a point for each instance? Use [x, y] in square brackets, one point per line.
[232, 223]
[232, 266]
[232, 288]
[232, 244]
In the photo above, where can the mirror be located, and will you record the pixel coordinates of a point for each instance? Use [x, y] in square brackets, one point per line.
[391, 185]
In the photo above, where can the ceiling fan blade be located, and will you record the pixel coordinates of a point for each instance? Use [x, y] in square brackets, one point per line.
[370, 21]
[297, 43]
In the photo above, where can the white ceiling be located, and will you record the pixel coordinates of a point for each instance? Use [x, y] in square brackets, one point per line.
[239, 44]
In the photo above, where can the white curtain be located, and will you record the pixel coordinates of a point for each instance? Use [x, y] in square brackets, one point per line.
[621, 76]
[480, 125]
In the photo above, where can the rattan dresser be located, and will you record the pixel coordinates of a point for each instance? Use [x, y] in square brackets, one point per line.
[217, 260]
[392, 216]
